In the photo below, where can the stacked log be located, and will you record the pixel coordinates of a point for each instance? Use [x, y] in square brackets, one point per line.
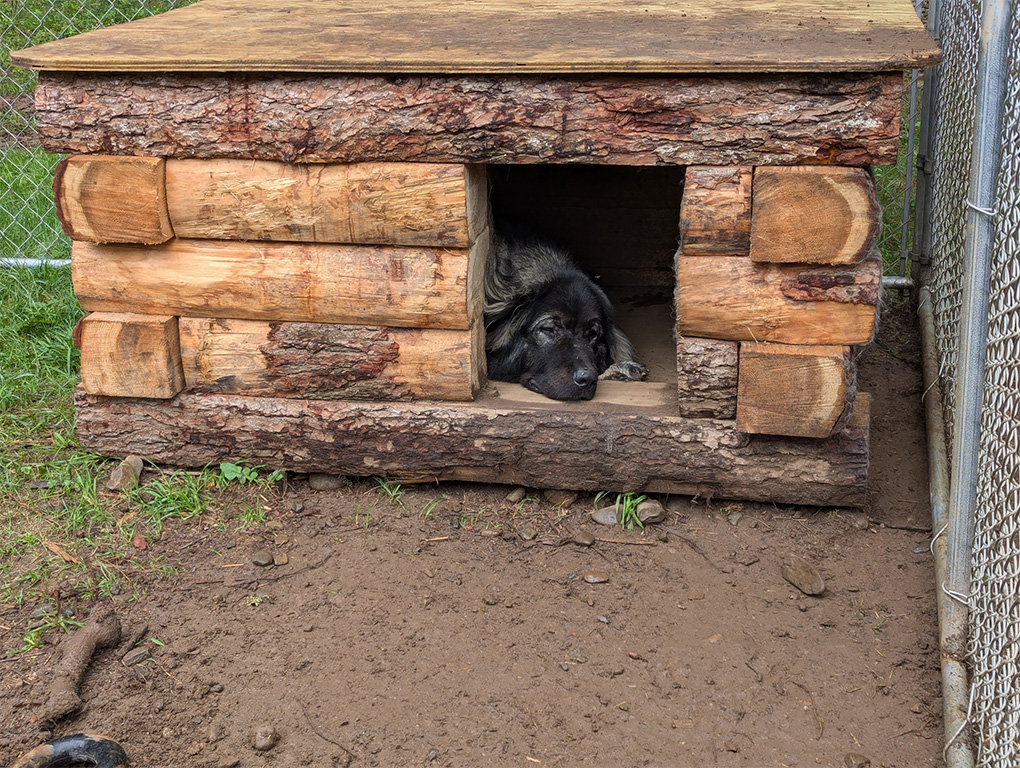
[790, 283]
[336, 281]
[329, 317]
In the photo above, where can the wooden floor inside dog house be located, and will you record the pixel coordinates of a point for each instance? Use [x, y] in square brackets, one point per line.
[622, 223]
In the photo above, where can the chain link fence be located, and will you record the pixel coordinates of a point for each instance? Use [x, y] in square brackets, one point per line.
[28, 224]
[993, 652]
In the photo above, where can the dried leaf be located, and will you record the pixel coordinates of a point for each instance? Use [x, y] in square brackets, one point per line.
[60, 552]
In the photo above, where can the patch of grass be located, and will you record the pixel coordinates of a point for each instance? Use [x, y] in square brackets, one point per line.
[626, 505]
[174, 495]
[248, 475]
[430, 507]
[28, 220]
[38, 628]
[390, 491]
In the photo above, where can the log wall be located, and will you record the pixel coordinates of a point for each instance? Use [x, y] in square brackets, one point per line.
[327, 314]
[839, 119]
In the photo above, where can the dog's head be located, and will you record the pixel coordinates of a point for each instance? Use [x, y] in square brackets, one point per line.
[556, 341]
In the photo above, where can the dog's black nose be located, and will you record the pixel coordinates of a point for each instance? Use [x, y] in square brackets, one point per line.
[584, 377]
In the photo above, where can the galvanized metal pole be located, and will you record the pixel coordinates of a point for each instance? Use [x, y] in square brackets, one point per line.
[921, 250]
[978, 241]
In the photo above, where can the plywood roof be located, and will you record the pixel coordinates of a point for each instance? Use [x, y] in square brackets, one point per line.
[504, 36]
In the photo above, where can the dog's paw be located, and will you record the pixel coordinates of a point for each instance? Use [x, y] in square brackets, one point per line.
[625, 370]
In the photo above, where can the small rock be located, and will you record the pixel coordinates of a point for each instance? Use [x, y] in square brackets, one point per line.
[214, 734]
[262, 558]
[135, 656]
[216, 688]
[858, 520]
[596, 577]
[803, 575]
[126, 474]
[561, 499]
[731, 746]
[605, 516]
[320, 481]
[491, 596]
[583, 538]
[527, 533]
[733, 518]
[275, 525]
[280, 558]
[517, 495]
[650, 512]
[855, 760]
[265, 738]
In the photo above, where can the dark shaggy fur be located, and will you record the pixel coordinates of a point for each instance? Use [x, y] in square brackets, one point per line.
[548, 325]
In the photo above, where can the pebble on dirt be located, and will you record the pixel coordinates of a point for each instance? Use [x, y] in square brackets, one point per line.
[518, 494]
[596, 577]
[320, 481]
[803, 575]
[854, 760]
[583, 538]
[262, 558]
[561, 499]
[650, 512]
[604, 516]
[125, 475]
[265, 738]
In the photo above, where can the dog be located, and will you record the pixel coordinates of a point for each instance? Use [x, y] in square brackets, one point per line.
[548, 325]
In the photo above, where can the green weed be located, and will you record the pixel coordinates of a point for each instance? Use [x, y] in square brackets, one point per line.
[42, 626]
[626, 508]
[176, 494]
[430, 507]
[248, 475]
[392, 492]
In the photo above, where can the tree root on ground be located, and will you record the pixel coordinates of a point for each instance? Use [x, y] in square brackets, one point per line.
[100, 631]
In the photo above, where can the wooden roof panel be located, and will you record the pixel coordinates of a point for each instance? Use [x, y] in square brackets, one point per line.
[503, 36]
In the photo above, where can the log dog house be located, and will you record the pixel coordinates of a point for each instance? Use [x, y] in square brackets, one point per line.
[280, 213]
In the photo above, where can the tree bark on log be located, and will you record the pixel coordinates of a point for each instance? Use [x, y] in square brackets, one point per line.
[844, 119]
[329, 362]
[715, 212]
[706, 373]
[546, 447]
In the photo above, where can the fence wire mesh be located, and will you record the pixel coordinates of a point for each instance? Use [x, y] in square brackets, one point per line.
[995, 596]
[994, 650]
[952, 142]
[28, 222]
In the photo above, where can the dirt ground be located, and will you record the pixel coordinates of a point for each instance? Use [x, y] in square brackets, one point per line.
[455, 628]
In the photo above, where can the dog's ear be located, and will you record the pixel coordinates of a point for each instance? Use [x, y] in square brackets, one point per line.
[506, 350]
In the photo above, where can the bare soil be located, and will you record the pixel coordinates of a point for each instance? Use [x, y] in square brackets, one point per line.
[456, 628]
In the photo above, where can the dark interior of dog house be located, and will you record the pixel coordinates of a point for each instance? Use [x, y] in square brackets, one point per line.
[622, 223]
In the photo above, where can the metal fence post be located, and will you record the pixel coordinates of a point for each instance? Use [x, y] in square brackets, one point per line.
[978, 241]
